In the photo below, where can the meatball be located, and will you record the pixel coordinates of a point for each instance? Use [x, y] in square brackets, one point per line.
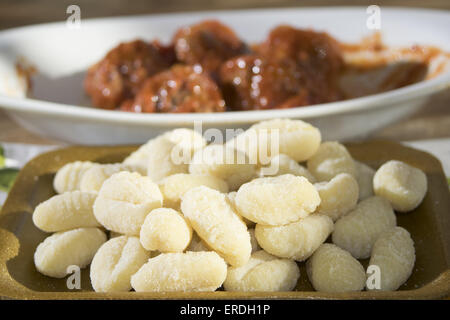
[253, 82]
[315, 54]
[120, 74]
[179, 89]
[208, 43]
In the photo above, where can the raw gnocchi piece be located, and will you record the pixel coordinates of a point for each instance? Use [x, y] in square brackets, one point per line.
[338, 196]
[394, 254]
[174, 186]
[93, 178]
[68, 178]
[167, 154]
[63, 249]
[124, 200]
[66, 211]
[263, 272]
[225, 163]
[165, 230]
[181, 272]
[283, 164]
[295, 138]
[115, 262]
[212, 217]
[403, 185]
[331, 159]
[357, 231]
[331, 269]
[277, 200]
[297, 240]
[364, 176]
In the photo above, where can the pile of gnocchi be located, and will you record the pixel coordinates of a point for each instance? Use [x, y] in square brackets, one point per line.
[156, 224]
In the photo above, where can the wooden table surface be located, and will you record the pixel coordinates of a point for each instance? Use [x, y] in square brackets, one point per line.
[432, 121]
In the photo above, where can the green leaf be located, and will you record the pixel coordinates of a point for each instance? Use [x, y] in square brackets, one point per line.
[2, 157]
[7, 177]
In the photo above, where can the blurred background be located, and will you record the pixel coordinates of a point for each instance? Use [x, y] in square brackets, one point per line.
[432, 121]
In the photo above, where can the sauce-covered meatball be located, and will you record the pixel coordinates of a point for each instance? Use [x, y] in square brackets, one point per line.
[120, 74]
[315, 54]
[253, 82]
[207, 43]
[179, 89]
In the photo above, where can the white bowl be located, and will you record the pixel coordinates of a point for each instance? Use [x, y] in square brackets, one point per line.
[61, 54]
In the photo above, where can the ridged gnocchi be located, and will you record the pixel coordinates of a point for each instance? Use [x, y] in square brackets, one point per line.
[167, 154]
[263, 272]
[338, 196]
[66, 211]
[115, 262]
[403, 185]
[225, 163]
[331, 159]
[213, 219]
[63, 249]
[394, 254]
[332, 269]
[181, 272]
[173, 187]
[357, 231]
[295, 138]
[165, 230]
[297, 240]
[94, 177]
[68, 177]
[124, 200]
[277, 200]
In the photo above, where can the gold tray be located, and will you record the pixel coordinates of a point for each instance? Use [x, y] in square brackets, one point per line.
[429, 226]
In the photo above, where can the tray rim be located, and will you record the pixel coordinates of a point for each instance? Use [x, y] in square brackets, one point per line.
[439, 288]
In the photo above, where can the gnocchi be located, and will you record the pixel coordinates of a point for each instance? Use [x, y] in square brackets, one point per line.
[124, 200]
[331, 159]
[403, 185]
[338, 196]
[115, 262]
[167, 154]
[94, 177]
[394, 254]
[277, 200]
[295, 138]
[297, 240]
[364, 176]
[66, 211]
[181, 272]
[332, 269]
[225, 163]
[213, 218]
[165, 230]
[173, 187]
[68, 178]
[283, 164]
[63, 249]
[357, 231]
[263, 272]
